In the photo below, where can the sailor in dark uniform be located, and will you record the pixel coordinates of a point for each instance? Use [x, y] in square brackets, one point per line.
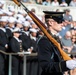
[33, 36]
[49, 57]
[19, 24]
[9, 29]
[32, 61]
[2, 11]
[25, 37]
[16, 46]
[3, 44]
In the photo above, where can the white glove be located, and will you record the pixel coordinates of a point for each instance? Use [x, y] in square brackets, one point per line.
[71, 64]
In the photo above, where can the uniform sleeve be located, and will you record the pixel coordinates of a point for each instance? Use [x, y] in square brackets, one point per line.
[3, 40]
[13, 46]
[45, 53]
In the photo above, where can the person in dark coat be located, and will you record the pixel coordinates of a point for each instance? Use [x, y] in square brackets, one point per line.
[33, 37]
[50, 59]
[32, 61]
[3, 44]
[25, 37]
[9, 29]
[16, 46]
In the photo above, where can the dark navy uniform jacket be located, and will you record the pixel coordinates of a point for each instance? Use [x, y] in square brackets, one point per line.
[50, 59]
[14, 45]
[26, 41]
[3, 40]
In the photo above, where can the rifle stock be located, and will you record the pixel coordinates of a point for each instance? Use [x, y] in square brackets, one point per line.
[43, 28]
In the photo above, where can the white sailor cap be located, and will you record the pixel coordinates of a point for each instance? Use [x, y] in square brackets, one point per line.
[16, 30]
[1, 12]
[28, 18]
[3, 19]
[33, 30]
[32, 22]
[20, 12]
[2, 2]
[22, 19]
[11, 20]
[19, 16]
[26, 24]
[19, 21]
[9, 13]
[11, 8]
[6, 17]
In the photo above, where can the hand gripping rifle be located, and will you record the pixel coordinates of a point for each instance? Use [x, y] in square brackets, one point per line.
[43, 28]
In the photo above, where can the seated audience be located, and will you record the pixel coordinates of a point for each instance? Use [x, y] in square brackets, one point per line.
[63, 4]
[66, 27]
[47, 3]
[66, 42]
[72, 3]
[55, 3]
[67, 17]
[39, 1]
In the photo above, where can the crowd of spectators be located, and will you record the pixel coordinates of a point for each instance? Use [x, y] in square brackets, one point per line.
[23, 23]
[63, 3]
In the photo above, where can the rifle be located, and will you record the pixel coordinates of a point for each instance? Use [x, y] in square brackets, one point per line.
[43, 28]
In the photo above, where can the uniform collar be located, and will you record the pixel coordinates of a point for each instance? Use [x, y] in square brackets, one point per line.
[34, 38]
[3, 29]
[10, 28]
[17, 39]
